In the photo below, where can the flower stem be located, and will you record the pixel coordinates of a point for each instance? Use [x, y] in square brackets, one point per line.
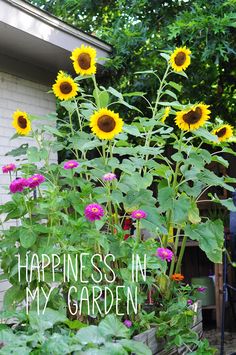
[181, 254]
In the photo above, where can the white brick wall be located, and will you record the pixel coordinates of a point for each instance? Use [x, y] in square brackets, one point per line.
[17, 93]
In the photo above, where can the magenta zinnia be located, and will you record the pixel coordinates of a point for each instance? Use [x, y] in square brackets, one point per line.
[8, 168]
[35, 180]
[128, 323]
[138, 214]
[18, 185]
[164, 254]
[94, 212]
[109, 177]
[71, 164]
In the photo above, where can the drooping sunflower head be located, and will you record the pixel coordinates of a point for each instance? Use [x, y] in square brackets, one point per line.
[106, 124]
[166, 113]
[193, 118]
[180, 59]
[84, 60]
[223, 132]
[65, 88]
[21, 123]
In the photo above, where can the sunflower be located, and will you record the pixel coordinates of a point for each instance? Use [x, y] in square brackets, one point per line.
[193, 118]
[84, 60]
[180, 59]
[223, 132]
[165, 114]
[106, 124]
[21, 123]
[64, 88]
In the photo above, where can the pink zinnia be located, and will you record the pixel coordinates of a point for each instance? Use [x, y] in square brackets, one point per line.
[109, 177]
[35, 180]
[201, 289]
[8, 168]
[138, 214]
[189, 302]
[164, 254]
[128, 323]
[94, 212]
[71, 164]
[18, 185]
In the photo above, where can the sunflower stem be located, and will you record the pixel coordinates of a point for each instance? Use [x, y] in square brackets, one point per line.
[181, 254]
[96, 91]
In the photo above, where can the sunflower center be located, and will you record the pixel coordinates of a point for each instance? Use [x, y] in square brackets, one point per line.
[192, 116]
[180, 58]
[106, 123]
[84, 61]
[22, 122]
[65, 87]
[221, 132]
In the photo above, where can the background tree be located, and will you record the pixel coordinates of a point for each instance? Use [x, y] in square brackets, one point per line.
[139, 29]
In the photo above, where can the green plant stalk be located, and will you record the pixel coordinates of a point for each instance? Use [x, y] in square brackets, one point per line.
[174, 185]
[97, 91]
[172, 265]
[138, 235]
[78, 115]
[73, 133]
[148, 138]
[181, 254]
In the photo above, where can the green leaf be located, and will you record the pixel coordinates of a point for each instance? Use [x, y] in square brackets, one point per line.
[111, 326]
[135, 347]
[210, 236]
[22, 150]
[115, 93]
[103, 98]
[165, 56]
[193, 214]
[211, 179]
[135, 93]
[220, 160]
[91, 334]
[176, 86]
[203, 133]
[165, 198]
[27, 237]
[75, 324]
[133, 130]
[181, 208]
[41, 322]
[228, 203]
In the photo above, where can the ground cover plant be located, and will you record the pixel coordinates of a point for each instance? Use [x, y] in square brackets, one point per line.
[119, 200]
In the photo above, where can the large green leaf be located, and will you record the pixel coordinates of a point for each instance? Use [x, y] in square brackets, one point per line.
[211, 179]
[90, 334]
[210, 236]
[165, 198]
[135, 347]
[181, 208]
[41, 322]
[112, 327]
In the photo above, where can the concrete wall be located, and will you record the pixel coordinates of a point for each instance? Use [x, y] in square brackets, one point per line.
[17, 93]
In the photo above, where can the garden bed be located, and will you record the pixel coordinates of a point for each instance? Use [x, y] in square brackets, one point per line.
[157, 346]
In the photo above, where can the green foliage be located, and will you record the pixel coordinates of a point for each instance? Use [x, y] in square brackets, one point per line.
[48, 338]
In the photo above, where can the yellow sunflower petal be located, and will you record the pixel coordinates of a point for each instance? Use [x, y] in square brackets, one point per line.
[21, 123]
[84, 60]
[223, 132]
[165, 114]
[65, 87]
[180, 59]
[193, 118]
[106, 124]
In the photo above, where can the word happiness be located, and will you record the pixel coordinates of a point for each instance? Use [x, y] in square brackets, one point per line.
[86, 290]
